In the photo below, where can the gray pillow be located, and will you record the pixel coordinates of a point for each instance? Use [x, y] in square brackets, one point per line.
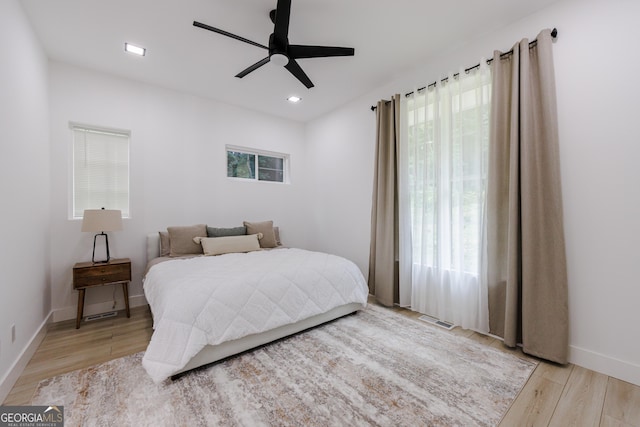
[225, 232]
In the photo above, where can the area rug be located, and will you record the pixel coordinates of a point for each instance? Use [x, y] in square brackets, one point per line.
[372, 368]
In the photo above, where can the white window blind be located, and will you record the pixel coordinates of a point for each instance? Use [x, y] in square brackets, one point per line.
[100, 170]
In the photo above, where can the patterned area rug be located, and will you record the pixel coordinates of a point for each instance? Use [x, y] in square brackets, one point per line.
[373, 368]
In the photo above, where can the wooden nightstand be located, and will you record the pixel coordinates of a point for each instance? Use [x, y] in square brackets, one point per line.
[88, 274]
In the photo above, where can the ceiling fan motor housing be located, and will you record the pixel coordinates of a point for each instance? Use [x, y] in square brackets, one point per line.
[278, 51]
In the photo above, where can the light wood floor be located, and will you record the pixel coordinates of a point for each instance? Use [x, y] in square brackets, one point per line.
[553, 396]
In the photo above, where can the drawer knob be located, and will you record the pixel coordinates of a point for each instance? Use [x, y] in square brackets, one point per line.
[104, 279]
[102, 271]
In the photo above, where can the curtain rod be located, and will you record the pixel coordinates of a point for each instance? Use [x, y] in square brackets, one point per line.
[554, 34]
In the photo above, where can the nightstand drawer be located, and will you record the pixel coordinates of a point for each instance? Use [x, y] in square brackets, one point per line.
[79, 282]
[101, 274]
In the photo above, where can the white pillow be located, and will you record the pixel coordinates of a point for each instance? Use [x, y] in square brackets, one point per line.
[228, 244]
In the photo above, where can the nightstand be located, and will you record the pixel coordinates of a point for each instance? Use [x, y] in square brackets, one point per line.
[87, 275]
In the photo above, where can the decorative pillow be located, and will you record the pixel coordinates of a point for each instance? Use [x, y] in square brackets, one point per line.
[228, 244]
[223, 232]
[266, 228]
[165, 243]
[182, 239]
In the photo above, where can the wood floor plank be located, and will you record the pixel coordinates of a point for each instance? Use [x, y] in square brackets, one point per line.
[20, 395]
[535, 404]
[582, 400]
[622, 404]
[553, 372]
[612, 422]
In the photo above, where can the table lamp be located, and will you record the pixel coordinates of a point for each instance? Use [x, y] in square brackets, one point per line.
[101, 220]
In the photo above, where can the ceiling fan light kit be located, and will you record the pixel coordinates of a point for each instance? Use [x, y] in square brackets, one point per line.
[279, 59]
[280, 51]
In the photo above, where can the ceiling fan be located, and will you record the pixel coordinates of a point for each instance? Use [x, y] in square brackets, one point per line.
[280, 51]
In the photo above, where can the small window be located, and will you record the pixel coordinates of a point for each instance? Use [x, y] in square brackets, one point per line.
[100, 170]
[257, 165]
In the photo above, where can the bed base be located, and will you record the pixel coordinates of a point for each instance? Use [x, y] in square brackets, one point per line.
[211, 354]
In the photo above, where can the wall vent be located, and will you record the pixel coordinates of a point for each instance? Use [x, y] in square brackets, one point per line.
[446, 325]
[101, 316]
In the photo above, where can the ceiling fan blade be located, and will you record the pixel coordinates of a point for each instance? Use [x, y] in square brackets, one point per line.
[228, 34]
[254, 67]
[295, 69]
[281, 28]
[300, 51]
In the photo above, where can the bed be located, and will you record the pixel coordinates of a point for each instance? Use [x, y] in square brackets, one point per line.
[208, 308]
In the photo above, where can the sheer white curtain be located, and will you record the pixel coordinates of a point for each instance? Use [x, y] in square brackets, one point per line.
[443, 174]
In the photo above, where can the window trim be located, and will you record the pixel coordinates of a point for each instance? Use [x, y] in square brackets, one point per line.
[71, 170]
[286, 160]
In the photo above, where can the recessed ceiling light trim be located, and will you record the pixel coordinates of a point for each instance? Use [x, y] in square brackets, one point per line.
[294, 99]
[136, 50]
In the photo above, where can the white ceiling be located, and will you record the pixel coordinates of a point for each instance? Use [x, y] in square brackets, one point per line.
[388, 37]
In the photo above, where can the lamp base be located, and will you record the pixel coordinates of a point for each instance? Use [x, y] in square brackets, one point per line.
[93, 256]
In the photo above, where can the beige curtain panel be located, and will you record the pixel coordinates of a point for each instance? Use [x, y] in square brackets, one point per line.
[383, 269]
[526, 266]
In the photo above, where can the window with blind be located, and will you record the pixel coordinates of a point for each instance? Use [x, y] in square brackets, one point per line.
[100, 170]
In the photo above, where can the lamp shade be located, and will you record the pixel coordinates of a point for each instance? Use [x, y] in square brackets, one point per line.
[102, 220]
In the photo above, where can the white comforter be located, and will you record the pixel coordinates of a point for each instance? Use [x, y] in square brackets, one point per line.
[210, 300]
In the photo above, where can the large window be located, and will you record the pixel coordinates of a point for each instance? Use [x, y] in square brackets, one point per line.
[443, 173]
[447, 146]
[257, 165]
[100, 170]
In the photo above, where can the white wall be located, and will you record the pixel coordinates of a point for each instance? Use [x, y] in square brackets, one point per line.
[598, 99]
[178, 172]
[341, 153]
[24, 190]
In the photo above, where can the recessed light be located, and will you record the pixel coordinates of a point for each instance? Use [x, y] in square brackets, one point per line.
[294, 99]
[137, 50]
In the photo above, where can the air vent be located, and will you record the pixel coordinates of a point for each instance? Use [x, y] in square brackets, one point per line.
[446, 325]
[101, 316]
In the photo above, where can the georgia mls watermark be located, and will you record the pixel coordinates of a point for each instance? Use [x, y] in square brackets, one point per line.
[31, 416]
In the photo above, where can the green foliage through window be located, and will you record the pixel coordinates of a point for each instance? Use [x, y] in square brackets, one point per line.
[447, 136]
[256, 166]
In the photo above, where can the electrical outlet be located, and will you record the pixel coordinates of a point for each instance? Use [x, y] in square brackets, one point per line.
[13, 333]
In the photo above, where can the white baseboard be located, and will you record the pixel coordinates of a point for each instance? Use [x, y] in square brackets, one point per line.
[620, 369]
[68, 313]
[9, 380]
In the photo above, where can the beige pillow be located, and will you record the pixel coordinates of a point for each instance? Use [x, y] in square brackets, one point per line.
[165, 243]
[266, 228]
[182, 239]
[228, 244]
